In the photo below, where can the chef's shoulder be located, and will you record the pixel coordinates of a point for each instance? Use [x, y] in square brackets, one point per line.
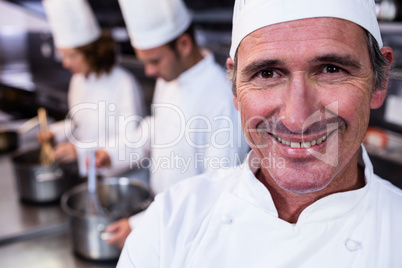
[195, 196]
[122, 74]
[387, 195]
[215, 92]
[217, 78]
[385, 206]
[122, 82]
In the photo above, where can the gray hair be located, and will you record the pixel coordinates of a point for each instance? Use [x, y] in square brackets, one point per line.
[378, 63]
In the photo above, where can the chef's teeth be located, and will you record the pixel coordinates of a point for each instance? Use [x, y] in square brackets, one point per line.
[314, 142]
[295, 144]
[305, 144]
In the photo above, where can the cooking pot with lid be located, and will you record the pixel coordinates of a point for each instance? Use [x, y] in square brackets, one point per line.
[119, 197]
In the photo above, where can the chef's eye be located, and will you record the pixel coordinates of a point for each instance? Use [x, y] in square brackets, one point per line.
[268, 73]
[331, 69]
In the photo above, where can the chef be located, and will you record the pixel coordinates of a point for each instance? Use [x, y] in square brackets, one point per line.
[101, 94]
[194, 125]
[305, 76]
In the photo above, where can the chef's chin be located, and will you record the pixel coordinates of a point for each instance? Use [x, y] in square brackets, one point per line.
[302, 181]
[305, 188]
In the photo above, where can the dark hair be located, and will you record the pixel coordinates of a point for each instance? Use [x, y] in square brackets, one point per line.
[100, 54]
[378, 63]
[190, 32]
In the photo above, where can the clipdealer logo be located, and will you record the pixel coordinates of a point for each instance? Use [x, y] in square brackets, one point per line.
[129, 134]
[181, 164]
[110, 130]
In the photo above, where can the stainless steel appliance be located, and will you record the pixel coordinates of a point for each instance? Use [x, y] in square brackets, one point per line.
[119, 197]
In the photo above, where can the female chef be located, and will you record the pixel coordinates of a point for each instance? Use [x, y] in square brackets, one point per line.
[103, 98]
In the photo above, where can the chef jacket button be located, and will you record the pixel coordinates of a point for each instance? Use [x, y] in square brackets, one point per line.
[225, 219]
[353, 245]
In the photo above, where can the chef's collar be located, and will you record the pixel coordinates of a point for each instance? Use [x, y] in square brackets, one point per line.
[198, 68]
[324, 209]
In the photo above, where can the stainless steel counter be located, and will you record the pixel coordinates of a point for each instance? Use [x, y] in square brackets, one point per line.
[33, 235]
[52, 250]
[18, 219]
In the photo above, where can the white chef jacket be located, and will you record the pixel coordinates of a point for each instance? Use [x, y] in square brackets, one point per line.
[100, 109]
[195, 127]
[228, 219]
[199, 99]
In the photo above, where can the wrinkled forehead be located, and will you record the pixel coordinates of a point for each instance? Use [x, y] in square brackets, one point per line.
[312, 29]
[304, 42]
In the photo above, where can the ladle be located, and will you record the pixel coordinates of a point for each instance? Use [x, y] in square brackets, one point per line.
[93, 206]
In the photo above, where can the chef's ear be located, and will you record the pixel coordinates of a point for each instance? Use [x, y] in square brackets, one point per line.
[235, 102]
[184, 45]
[230, 72]
[229, 64]
[379, 94]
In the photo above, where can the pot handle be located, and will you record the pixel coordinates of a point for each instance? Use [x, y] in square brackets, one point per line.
[103, 235]
[49, 176]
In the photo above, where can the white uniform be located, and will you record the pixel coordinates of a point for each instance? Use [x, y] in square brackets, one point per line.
[99, 108]
[192, 116]
[195, 127]
[228, 219]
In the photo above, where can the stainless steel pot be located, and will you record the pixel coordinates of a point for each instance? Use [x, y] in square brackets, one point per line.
[120, 197]
[41, 184]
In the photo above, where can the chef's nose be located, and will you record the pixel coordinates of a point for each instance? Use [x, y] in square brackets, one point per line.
[151, 70]
[300, 105]
[66, 62]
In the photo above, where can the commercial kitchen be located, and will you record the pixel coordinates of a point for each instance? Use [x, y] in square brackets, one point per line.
[36, 232]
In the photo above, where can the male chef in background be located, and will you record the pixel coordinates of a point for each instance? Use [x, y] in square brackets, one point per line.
[305, 76]
[196, 126]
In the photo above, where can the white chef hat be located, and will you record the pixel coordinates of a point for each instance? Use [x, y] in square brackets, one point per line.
[152, 23]
[72, 22]
[250, 15]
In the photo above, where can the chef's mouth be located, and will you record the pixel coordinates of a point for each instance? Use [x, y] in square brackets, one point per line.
[303, 144]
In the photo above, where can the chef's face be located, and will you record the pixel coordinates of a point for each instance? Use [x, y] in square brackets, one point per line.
[161, 62]
[74, 61]
[304, 91]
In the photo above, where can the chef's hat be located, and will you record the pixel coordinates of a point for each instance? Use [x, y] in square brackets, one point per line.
[72, 22]
[152, 23]
[250, 15]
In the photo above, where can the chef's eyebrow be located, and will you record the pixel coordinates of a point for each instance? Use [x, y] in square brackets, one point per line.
[337, 59]
[256, 66]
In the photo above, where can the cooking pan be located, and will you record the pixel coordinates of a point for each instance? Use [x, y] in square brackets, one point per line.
[120, 197]
[42, 184]
[9, 139]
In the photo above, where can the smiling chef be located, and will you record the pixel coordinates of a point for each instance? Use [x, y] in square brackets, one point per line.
[305, 75]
